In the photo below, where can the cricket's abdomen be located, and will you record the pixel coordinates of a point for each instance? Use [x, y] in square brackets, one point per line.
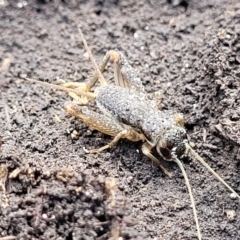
[134, 109]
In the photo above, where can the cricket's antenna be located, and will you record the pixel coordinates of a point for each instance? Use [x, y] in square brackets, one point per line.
[175, 159]
[65, 89]
[100, 76]
[211, 170]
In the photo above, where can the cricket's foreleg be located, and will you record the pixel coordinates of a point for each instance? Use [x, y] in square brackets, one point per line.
[146, 149]
[103, 124]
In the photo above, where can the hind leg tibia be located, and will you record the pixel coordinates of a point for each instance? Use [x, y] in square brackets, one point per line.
[124, 73]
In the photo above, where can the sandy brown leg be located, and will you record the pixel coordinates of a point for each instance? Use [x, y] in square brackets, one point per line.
[103, 124]
[93, 80]
[146, 150]
[80, 99]
[95, 120]
[110, 127]
[124, 73]
[129, 134]
[113, 143]
[86, 86]
[81, 91]
[89, 84]
[179, 119]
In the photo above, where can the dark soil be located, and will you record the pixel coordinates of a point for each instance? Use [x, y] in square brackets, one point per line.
[190, 50]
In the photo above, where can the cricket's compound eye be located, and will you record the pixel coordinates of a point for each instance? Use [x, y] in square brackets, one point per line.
[173, 141]
[181, 148]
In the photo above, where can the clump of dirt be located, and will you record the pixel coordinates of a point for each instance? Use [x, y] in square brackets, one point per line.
[50, 188]
[63, 203]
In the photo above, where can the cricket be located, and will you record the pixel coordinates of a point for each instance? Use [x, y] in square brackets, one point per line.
[128, 113]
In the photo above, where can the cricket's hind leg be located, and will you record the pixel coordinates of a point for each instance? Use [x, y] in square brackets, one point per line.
[111, 127]
[105, 124]
[124, 74]
[95, 120]
[80, 99]
[97, 76]
[86, 86]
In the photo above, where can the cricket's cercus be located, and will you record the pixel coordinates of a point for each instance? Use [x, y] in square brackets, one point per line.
[127, 112]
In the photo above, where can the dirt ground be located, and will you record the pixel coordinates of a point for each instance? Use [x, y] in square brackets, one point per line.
[189, 50]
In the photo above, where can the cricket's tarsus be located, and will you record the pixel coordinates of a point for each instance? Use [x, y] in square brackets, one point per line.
[126, 112]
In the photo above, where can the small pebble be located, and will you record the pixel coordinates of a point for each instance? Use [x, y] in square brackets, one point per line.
[20, 5]
[136, 35]
[233, 196]
[130, 179]
[85, 150]
[230, 214]
[86, 55]
[74, 135]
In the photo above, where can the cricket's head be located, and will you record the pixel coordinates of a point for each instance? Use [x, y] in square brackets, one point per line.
[174, 141]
